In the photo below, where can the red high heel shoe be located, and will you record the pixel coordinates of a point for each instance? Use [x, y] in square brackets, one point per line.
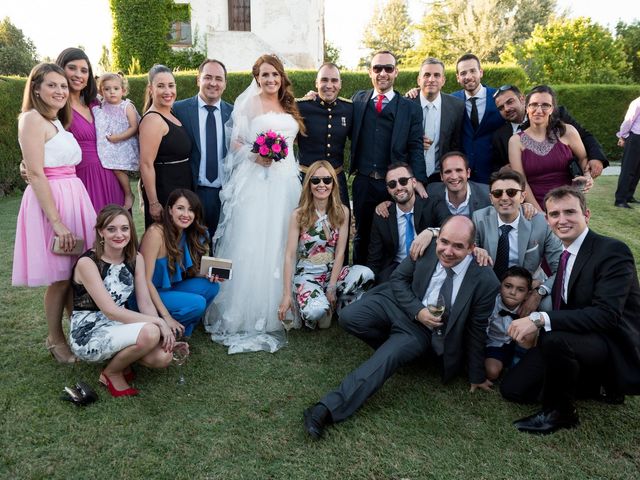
[127, 392]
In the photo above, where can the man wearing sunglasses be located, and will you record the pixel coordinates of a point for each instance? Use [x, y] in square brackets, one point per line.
[511, 104]
[505, 237]
[387, 128]
[392, 236]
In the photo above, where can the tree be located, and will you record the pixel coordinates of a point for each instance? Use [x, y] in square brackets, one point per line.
[332, 53]
[17, 52]
[388, 29]
[104, 63]
[570, 51]
[629, 35]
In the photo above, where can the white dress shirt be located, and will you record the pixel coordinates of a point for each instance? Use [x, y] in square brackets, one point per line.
[481, 102]
[431, 116]
[513, 239]
[463, 208]
[401, 254]
[439, 276]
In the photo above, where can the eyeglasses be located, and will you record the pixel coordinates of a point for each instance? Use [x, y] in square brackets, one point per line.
[391, 184]
[502, 89]
[544, 106]
[325, 180]
[387, 68]
[511, 192]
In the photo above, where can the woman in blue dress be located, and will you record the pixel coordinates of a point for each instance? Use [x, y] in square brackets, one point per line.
[172, 250]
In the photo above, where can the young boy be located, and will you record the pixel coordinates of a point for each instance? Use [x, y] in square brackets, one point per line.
[500, 350]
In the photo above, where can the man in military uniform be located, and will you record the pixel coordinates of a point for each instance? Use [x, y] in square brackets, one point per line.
[328, 119]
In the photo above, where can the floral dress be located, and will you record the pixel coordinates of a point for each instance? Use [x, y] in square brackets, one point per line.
[316, 251]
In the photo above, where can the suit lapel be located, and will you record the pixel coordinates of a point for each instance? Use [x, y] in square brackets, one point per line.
[425, 268]
[464, 294]
[393, 227]
[359, 107]
[524, 233]
[492, 233]
[194, 121]
[584, 254]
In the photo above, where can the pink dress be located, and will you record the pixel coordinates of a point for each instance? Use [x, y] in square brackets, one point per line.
[33, 262]
[545, 164]
[101, 184]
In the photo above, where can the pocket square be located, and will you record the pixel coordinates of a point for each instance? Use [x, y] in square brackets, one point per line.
[532, 249]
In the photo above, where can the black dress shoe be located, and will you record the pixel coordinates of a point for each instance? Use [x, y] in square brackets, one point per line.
[547, 421]
[632, 200]
[315, 419]
[622, 205]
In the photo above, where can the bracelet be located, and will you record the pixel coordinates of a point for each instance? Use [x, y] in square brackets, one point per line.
[154, 203]
[331, 287]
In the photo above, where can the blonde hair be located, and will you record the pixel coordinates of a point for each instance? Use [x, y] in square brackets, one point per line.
[31, 99]
[105, 77]
[306, 209]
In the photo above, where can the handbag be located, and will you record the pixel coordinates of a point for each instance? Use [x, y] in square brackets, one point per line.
[575, 170]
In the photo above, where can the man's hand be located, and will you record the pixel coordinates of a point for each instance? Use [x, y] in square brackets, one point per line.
[621, 142]
[382, 209]
[486, 386]
[426, 143]
[528, 210]
[521, 328]
[530, 304]
[419, 188]
[428, 320]
[420, 244]
[311, 95]
[595, 166]
[482, 257]
[413, 93]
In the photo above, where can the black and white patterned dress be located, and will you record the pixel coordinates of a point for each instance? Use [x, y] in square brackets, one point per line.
[93, 337]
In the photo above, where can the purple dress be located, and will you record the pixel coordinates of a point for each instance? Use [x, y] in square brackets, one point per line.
[545, 164]
[101, 184]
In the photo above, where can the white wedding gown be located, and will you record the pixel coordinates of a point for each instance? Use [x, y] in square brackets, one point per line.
[257, 203]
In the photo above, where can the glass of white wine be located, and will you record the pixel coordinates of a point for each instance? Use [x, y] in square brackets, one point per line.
[436, 308]
[287, 323]
[180, 354]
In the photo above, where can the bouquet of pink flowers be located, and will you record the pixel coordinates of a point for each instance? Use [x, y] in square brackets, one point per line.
[271, 144]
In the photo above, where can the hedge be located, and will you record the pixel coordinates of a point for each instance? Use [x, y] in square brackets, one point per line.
[599, 108]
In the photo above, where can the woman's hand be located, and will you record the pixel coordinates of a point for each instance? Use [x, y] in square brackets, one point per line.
[285, 305]
[176, 327]
[332, 296]
[264, 161]
[168, 338]
[214, 278]
[67, 239]
[155, 210]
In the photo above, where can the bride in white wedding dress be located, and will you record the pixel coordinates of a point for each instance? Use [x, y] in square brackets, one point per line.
[257, 200]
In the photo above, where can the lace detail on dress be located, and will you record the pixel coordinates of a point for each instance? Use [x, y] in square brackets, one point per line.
[539, 148]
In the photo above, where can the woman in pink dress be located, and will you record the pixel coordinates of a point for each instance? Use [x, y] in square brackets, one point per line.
[102, 184]
[54, 204]
[543, 151]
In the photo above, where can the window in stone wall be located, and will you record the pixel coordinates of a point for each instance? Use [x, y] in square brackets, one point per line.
[240, 15]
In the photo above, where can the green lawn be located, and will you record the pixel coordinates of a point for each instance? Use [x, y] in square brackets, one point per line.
[240, 417]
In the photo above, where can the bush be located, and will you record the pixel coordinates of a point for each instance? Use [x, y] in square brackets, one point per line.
[11, 89]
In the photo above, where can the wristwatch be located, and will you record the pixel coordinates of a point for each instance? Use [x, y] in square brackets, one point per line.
[542, 291]
[434, 231]
[536, 318]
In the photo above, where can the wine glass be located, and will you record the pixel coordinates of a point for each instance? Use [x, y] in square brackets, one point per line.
[180, 354]
[436, 307]
[287, 323]
[580, 182]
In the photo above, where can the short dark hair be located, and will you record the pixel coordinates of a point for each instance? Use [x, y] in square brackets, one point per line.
[396, 165]
[328, 64]
[467, 56]
[507, 88]
[385, 52]
[454, 153]
[566, 191]
[212, 60]
[518, 271]
[507, 173]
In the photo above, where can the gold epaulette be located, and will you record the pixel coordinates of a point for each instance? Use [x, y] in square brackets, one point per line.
[303, 99]
[347, 100]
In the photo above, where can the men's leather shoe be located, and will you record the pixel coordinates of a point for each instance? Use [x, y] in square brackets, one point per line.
[547, 421]
[622, 205]
[632, 200]
[315, 419]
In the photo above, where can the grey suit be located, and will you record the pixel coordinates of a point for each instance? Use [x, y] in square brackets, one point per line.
[384, 318]
[535, 240]
[478, 199]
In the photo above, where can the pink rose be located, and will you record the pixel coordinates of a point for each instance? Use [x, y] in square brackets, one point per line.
[276, 148]
[264, 150]
[285, 151]
[260, 140]
[271, 134]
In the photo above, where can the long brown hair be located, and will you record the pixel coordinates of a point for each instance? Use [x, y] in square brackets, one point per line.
[285, 94]
[105, 217]
[195, 233]
[306, 209]
[31, 99]
[155, 70]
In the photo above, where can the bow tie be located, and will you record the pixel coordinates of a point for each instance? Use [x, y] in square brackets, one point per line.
[507, 313]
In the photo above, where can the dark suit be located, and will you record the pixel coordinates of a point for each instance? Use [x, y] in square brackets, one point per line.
[479, 197]
[384, 234]
[500, 141]
[403, 133]
[451, 117]
[187, 112]
[477, 143]
[594, 338]
[384, 318]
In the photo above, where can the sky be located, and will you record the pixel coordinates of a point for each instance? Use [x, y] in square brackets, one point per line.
[56, 24]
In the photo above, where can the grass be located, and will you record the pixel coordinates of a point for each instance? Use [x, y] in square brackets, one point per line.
[240, 416]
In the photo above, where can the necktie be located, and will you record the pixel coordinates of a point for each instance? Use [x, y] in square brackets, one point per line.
[429, 132]
[502, 253]
[379, 103]
[556, 291]
[408, 232]
[212, 144]
[437, 341]
[507, 313]
[474, 113]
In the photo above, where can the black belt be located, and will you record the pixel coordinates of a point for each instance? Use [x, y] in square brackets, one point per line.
[373, 174]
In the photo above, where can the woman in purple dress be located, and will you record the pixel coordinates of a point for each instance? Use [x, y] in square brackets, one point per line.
[102, 184]
[543, 151]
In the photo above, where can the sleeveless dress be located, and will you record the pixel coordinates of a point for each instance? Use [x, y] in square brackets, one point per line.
[33, 262]
[313, 271]
[92, 336]
[112, 119]
[101, 184]
[545, 164]
[256, 205]
[172, 166]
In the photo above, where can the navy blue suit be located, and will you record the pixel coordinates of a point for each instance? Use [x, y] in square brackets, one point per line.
[187, 112]
[477, 144]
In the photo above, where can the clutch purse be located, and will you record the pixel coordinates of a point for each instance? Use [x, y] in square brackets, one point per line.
[575, 170]
[221, 267]
[77, 250]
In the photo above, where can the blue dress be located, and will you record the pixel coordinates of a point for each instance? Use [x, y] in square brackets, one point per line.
[185, 298]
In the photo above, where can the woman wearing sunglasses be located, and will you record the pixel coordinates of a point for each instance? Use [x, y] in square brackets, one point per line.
[317, 239]
[544, 151]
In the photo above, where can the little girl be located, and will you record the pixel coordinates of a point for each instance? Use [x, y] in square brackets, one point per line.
[116, 121]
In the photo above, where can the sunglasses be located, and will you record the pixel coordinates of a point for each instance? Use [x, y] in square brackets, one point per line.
[387, 68]
[325, 180]
[391, 184]
[511, 192]
[503, 88]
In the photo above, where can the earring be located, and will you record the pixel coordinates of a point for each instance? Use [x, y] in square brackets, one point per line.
[101, 241]
[37, 94]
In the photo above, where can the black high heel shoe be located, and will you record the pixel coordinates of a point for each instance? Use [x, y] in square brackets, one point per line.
[81, 394]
